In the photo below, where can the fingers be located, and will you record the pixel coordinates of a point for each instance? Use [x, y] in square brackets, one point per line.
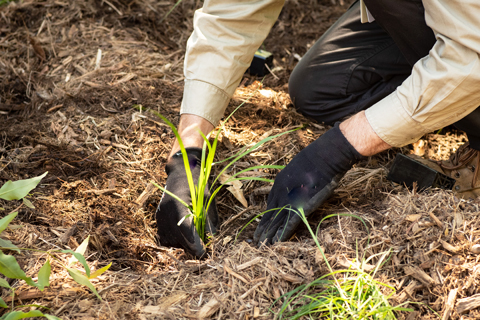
[287, 229]
[264, 223]
[270, 225]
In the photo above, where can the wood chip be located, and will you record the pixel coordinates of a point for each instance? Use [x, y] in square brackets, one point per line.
[412, 315]
[125, 78]
[234, 274]
[248, 264]
[468, 303]
[436, 220]
[147, 192]
[66, 236]
[447, 246]
[407, 292]
[249, 291]
[413, 217]
[475, 248]
[450, 304]
[420, 275]
[256, 312]
[209, 309]
[291, 278]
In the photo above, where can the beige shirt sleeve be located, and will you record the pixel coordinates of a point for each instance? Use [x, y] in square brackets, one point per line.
[444, 86]
[226, 35]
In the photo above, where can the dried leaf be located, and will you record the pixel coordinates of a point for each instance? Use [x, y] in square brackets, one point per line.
[209, 309]
[37, 48]
[238, 194]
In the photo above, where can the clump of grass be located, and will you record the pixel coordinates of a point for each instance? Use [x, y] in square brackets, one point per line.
[199, 204]
[342, 294]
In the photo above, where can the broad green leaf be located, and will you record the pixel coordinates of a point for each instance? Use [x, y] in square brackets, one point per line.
[82, 280]
[28, 203]
[99, 271]
[19, 189]
[4, 283]
[80, 250]
[8, 244]
[10, 268]
[78, 257]
[5, 221]
[2, 303]
[14, 315]
[44, 275]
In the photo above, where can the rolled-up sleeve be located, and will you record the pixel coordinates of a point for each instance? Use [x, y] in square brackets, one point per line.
[444, 86]
[226, 35]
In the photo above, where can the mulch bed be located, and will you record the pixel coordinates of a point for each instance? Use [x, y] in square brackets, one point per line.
[71, 73]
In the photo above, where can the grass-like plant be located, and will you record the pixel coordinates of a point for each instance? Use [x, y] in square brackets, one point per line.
[199, 205]
[343, 294]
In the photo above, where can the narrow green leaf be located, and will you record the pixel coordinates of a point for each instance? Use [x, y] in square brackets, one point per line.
[183, 219]
[2, 303]
[44, 275]
[8, 244]
[99, 271]
[5, 221]
[170, 194]
[50, 317]
[28, 203]
[14, 315]
[79, 278]
[19, 189]
[242, 153]
[11, 269]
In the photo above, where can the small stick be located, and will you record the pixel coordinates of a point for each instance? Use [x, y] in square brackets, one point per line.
[249, 264]
[236, 275]
[436, 220]
[246, 294]
[450, 304]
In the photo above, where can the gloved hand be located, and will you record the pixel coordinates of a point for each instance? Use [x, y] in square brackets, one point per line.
[306, 182]
[170, 211]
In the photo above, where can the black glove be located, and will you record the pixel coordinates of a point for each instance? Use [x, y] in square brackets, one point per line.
[170, 211]
[306, 182]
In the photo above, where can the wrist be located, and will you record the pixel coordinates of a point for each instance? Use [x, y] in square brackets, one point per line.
[359, 133]
[189, 130]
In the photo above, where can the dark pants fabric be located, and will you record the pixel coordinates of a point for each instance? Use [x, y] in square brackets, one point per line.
[354, 65]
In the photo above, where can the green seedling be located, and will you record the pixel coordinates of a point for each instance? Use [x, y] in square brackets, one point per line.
[199, 205]
[343, 294]
[10, 268]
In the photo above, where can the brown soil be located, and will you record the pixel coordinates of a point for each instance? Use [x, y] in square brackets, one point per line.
[65, 111]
